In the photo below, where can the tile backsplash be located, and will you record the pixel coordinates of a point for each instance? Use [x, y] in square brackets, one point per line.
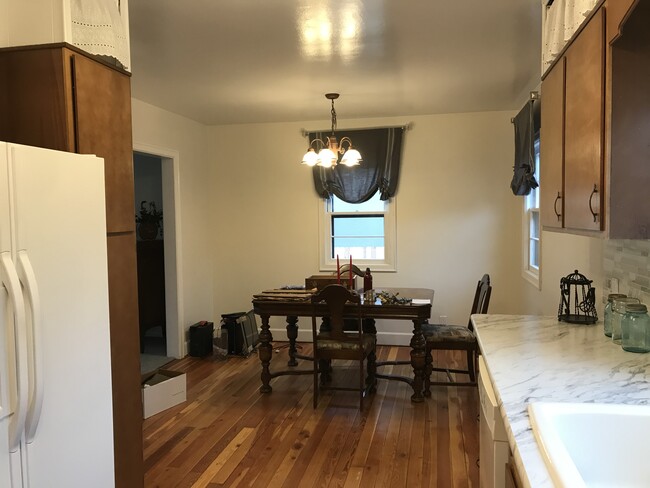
[627, 261]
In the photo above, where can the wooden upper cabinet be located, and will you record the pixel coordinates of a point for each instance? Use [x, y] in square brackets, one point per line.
[584, 127]
[34, 99]
[629, 158]
[552, 148]
[102, 99]
[573, 133]
[606, 126]
[59, 98]
[617, 13]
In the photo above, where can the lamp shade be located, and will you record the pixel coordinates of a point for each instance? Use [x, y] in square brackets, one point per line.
[351, 157]
[310, 158]
[326, 158]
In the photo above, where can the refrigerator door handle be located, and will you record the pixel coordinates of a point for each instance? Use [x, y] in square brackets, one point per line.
[28, 280]
[10, 279]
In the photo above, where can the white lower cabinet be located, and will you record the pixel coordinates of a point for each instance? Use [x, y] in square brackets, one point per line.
[494, 449]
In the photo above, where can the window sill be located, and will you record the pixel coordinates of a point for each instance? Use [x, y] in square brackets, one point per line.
[532, 278]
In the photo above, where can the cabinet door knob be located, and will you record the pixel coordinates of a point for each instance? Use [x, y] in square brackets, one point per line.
[591, 209]
[558, 215]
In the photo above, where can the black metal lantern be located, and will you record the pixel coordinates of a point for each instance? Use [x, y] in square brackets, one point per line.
[577, 300]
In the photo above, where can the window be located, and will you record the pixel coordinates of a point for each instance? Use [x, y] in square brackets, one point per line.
[365, 231]
[532, 228]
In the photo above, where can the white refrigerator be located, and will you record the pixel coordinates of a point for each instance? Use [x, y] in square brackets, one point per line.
[56, 423]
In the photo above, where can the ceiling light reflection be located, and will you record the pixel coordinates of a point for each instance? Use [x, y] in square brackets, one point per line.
[326, 30]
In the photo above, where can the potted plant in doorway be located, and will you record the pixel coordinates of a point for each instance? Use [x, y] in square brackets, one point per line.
[148, 220]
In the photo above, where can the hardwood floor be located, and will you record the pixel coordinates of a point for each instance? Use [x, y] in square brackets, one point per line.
[229, 434]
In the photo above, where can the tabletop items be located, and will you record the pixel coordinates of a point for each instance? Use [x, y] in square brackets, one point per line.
[285, 294]
[577, 300]
[387, 298]
[627, 322]
[618, 312]
[635, 336]
[609, 311]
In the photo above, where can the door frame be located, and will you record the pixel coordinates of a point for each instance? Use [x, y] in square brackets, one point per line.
[172, 245]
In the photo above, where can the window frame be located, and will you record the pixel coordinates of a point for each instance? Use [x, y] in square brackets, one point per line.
[530, 207]
[328, 263]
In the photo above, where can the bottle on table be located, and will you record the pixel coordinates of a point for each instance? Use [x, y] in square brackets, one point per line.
[367, 287]
[367, 280]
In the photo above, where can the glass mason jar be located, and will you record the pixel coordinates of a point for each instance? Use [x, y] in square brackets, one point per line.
[636, 328]
[608, 311]
[618, 310]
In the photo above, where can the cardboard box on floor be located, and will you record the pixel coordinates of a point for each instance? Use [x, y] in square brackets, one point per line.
[162, 390]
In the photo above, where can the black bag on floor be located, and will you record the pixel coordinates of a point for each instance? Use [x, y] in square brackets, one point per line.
[201, 339]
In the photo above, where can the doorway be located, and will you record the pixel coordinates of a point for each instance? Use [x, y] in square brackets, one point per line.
[159, 297]
[150, 236]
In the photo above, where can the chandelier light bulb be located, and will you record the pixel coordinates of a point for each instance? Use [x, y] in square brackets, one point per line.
[351, 157]
[310, 158]
[326, 158]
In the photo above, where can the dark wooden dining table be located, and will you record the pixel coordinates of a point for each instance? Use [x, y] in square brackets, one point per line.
[297, 304]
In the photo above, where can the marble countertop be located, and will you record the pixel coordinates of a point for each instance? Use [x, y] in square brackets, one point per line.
[533, 358]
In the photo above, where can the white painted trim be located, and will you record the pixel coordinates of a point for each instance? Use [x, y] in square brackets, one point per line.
[66, 15]
[534, 278]
[176, 344]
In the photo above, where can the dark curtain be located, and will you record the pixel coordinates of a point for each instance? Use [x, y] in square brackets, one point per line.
[381, 150]
[527, 125]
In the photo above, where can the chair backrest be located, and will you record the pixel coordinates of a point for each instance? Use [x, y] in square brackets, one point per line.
[481, 298]
[344, 270]
[335, 297]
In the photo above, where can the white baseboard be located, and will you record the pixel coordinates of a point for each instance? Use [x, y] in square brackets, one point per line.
[383, 338]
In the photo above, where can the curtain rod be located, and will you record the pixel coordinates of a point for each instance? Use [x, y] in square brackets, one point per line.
[407, 126]
[534, 95]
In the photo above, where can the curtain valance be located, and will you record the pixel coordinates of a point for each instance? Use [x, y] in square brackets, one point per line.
[527, 124]
[97, 28]
[560, 19]
[381, 150]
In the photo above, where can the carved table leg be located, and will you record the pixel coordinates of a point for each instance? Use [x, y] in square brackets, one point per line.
[428, 370]
[292, 334]
[369, 327]
[265, 352]
[371, 380]
[325, 368]
[418, 354]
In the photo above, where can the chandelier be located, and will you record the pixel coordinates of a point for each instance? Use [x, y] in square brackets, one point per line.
[326, 154]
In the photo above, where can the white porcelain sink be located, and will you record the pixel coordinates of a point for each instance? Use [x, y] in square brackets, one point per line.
[594, 445]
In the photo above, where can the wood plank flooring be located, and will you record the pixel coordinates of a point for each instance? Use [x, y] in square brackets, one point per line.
[229, 434]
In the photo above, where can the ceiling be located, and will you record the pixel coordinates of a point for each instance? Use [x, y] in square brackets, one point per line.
[248, 61]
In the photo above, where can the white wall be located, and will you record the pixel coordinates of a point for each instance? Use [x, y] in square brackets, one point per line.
[250, 215]
[456, 216]
[562, 254]
[155, 127]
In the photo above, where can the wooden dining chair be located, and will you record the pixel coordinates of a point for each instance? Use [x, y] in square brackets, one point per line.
[336, 343]
[454, 338]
